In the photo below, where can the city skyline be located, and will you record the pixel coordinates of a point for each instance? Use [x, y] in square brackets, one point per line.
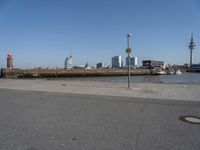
[41, 34]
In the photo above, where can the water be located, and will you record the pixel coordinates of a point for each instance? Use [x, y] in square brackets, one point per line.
[185, 78]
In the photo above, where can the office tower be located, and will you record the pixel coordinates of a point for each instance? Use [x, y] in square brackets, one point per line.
[116, 62]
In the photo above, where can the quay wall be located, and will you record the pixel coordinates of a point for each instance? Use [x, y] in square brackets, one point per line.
[48, 73]
[193, 70]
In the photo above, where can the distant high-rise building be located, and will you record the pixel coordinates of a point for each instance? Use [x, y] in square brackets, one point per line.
[116, 62]
[122, 64]
[68, 62]
[9, 61]
[133, 61]
[100, 65]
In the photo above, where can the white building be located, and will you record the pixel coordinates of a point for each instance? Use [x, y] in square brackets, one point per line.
[116, 62]
[133, 61]
[68, 62]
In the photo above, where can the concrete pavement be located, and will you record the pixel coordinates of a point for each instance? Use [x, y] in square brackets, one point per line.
[188, 92]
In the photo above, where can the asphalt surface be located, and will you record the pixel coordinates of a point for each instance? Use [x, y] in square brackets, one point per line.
[32, 120]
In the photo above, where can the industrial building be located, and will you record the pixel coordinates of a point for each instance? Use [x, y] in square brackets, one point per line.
[116, 62]
[195, 66]
[133, 61]
[9, 61]
[151, 64]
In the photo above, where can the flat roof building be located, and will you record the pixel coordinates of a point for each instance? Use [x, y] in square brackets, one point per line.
[151, 64]
[195, 66]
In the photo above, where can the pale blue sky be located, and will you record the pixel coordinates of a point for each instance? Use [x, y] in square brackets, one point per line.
[42, 32]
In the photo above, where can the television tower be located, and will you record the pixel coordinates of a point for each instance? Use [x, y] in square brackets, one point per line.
[191, 47]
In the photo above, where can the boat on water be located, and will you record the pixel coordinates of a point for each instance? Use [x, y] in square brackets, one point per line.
[170, 72]
[166, 72]
[159, 72]
[178, 72]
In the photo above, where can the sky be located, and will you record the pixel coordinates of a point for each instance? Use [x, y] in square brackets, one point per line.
[41, 33]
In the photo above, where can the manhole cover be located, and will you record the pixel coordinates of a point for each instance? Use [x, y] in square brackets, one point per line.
[190, 119]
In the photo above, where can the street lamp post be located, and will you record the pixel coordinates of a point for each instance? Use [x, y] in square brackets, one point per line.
[128, 51]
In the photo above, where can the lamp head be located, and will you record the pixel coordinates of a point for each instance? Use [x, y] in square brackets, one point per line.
[129, 35]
